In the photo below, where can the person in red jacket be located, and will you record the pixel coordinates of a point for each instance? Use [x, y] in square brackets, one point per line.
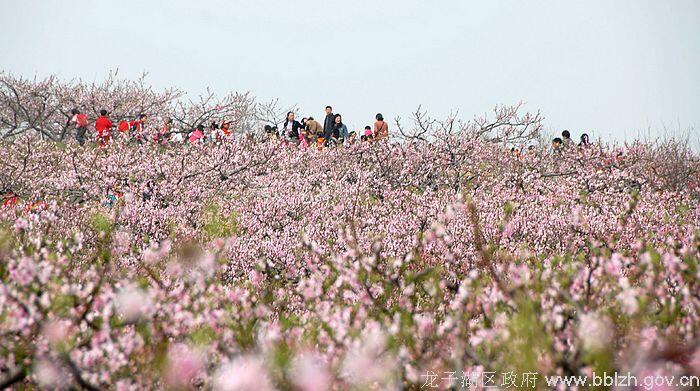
[80, 121]
[36, 207]
[137, 128]
[103, 127]
[226, 128]
[123, 129]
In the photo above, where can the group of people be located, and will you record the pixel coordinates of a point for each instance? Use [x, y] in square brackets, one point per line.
[308, 132]
[304, 133]
[10, 200]
[135, 130]
[565, 141]
[559, 144]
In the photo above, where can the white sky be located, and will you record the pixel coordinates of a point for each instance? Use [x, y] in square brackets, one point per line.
[612, 68]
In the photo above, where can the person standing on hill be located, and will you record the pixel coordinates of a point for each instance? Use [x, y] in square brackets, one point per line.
[270, 132]
[226, 129]
[566, 139]
[557, 146]
[162, 135]
[584, 141]
[314, 128]
[137, 128]
[103, 127]
[197, 135]
[328, 123]
[81, 124]
[381, 128]
[213, 136]
[340, 131]
[123, 129]
[291, 128]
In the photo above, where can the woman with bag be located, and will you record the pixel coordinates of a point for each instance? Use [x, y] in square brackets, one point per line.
[381, 128]
[291, 128]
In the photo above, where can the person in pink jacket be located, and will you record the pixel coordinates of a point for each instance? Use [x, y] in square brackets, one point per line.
[197, 135]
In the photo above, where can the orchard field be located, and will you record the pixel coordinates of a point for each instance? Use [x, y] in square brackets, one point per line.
[252, 264]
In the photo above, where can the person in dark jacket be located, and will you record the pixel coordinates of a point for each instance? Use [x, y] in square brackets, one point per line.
[557, 144]
[584, 141]
[340, 131]
[566, 139]
[291, 128]
[271, 131]
[328, 123]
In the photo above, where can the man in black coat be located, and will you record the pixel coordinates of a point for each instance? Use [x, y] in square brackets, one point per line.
[328, 123]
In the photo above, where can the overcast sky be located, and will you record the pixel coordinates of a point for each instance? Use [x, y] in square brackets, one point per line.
[613, 68]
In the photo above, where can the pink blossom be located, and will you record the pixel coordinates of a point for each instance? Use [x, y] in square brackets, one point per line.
[21, 224]
[132, 303]
[595, 332]
[256, 278]
[49, 375]
[24, 271]
[366, 363]
[184, 364]
[310, 373]
[242, 374]
[628, 301]
[55, 331]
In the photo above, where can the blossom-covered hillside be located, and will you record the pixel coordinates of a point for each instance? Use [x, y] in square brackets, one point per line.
[250, 264]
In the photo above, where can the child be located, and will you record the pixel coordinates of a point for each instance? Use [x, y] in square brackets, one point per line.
[352, 137]
[303, 138]
[566, 138]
